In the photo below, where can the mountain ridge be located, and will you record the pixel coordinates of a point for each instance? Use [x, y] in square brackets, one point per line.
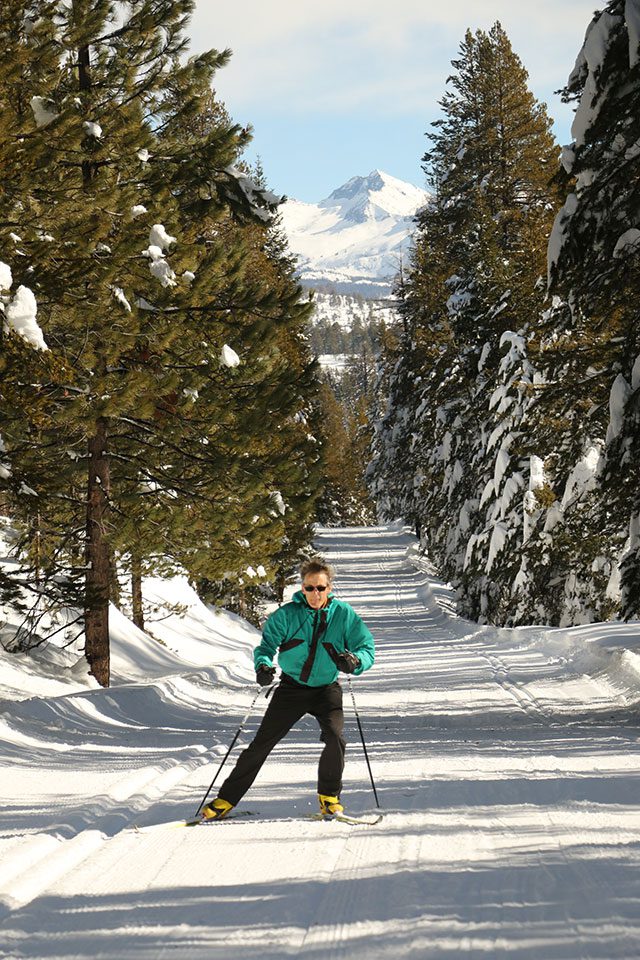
[354, 240]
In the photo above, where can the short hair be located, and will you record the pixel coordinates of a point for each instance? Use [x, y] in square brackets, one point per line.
[317, 565]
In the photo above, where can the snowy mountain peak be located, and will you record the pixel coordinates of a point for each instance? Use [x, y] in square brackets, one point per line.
[354, 240]
[375, 197]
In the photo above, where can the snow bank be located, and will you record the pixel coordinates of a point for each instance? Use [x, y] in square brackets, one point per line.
[183, 633]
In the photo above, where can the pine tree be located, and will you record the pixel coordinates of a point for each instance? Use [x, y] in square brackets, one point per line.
[588, 408]
[345, 500]
[472, 290]
[131, 240]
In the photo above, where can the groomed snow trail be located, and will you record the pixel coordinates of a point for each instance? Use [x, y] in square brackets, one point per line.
[509, 781]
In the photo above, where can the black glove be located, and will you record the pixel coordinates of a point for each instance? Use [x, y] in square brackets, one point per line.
[346, 662]
[265, 675]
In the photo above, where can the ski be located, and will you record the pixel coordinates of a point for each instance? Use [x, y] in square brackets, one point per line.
[243, 814]
[345, 818]
[195, 822]
[236, 815]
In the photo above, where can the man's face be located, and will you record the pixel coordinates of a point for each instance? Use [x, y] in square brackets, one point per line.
[316, 598]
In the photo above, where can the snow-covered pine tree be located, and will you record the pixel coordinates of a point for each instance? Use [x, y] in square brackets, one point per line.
[472, 292]
[127, 235]
[588, 410]
[509, 158]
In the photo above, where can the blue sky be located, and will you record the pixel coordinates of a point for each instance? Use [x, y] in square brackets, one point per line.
[338, 88]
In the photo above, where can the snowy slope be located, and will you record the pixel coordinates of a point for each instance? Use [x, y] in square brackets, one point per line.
[354, 240]
[184, 634]
[505, 760]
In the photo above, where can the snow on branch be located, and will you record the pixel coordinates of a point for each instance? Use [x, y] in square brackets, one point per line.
[159, 266]
[20, 311]
[43, 111]
[628, 243]
[597, 43]
[5, 468]
[632, 17]
[255, 202]
[228, 357]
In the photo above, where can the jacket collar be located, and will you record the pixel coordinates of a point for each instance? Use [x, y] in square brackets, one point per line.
[300, 598]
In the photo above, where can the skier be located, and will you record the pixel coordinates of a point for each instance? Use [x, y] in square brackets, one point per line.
[316, 635]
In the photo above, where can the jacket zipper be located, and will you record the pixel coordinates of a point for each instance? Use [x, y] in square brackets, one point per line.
[319, 627]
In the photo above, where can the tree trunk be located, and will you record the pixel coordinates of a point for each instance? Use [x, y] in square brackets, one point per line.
[98, 576]
[136, 591]
[115, 591]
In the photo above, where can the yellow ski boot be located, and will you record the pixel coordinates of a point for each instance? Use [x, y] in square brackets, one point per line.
[329, 806]
[216, 810]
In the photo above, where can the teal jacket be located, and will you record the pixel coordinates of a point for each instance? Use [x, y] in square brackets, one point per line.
[298, 633]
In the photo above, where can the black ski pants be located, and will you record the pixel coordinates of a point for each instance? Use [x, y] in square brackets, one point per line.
[289, 703]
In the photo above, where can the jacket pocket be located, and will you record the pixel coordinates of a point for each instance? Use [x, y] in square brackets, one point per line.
[290, 644]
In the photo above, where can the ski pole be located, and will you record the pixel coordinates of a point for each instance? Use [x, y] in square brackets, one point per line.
[364, 746]
[232, 745]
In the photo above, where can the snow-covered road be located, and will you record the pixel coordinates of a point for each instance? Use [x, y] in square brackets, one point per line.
[506, 763]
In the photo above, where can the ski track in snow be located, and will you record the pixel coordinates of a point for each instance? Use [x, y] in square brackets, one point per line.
[507, 772]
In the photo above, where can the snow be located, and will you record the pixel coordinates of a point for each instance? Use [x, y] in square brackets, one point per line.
[143, 155]
[568, 158]
[159, 266]
[161, 270]
[261, 201]
[559, 230]
[618, 398]
[632, 17]
[582, 478]
[158, 237]
[5, 468]
[20, 315]
[138, 210]
[536, 473]
[228, 357]
[92, 129]
[499, 539]
[338, 362]
[6, 277]
[277, 500]
[355, 239]
[43, 111]
[346, 310]
[596, 46]
[503, 459]
[505, 763]
[628, 243]
[119, 295]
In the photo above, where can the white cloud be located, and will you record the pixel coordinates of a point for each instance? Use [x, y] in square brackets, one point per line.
[372, 53]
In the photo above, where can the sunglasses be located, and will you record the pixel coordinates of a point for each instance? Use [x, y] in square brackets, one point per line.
[311, 589]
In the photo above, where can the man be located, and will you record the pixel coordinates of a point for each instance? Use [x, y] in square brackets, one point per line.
[316, 635]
